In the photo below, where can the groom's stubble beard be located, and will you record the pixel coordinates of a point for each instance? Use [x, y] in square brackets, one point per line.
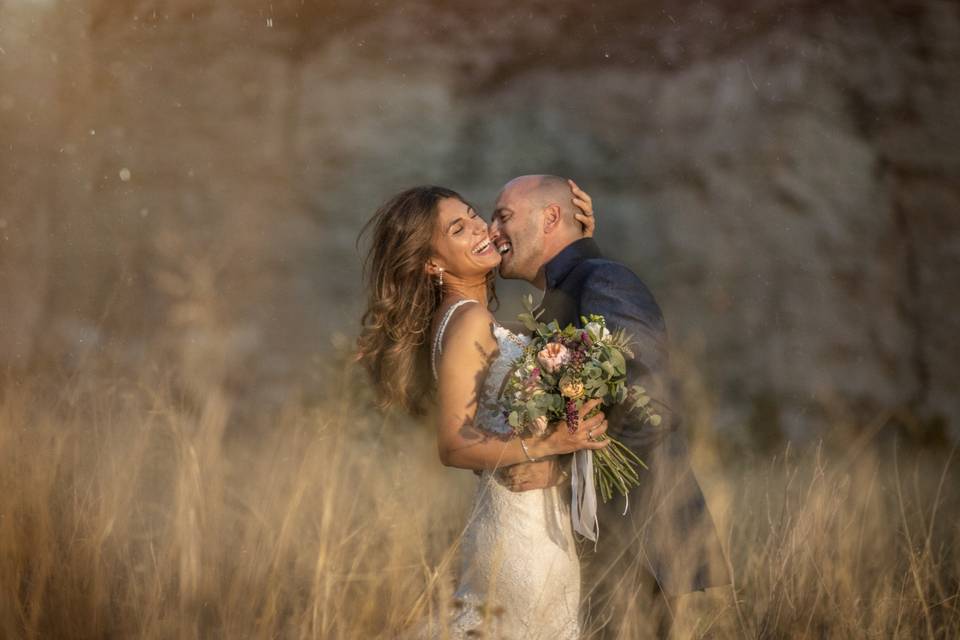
[519, 265]
[525, 262]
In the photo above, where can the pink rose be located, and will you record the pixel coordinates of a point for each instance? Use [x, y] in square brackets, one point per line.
[553, 356]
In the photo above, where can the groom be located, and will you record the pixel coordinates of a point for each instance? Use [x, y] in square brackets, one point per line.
[666, 543]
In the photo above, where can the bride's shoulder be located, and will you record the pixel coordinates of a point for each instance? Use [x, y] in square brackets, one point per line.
[472, 317]
[470, 321]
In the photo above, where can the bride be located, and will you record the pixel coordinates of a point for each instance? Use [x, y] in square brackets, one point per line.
[428, 338]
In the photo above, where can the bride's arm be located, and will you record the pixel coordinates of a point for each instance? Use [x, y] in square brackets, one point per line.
[469, 348]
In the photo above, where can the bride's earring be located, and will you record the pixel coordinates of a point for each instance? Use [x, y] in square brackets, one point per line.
[441, 277]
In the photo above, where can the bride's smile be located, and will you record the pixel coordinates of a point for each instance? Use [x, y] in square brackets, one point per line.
[462, 244]
[482, 247]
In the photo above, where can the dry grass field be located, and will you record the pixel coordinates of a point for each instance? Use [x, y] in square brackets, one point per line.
[132, 509]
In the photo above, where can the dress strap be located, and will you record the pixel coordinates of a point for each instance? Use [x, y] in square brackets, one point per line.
[438, 340]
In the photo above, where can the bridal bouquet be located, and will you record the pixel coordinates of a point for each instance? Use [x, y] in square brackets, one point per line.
[559, 371]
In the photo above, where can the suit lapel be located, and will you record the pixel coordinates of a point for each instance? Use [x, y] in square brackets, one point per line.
[559, 305]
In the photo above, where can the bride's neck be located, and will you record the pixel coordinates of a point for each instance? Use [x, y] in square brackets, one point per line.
[474, 289]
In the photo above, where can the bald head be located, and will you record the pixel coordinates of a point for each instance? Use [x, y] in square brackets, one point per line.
[540, 191]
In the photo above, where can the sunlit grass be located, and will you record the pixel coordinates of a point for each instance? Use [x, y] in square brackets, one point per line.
[128, 510]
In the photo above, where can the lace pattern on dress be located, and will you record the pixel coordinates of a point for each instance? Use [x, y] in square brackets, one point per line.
[490, 415]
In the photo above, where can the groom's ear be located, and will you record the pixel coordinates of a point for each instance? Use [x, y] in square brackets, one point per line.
[552, 218]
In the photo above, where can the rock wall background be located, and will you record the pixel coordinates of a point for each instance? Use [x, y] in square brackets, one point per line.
[185, 180]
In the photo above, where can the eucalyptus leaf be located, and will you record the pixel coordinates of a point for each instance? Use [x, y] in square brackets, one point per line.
[616, 359]
[528, 321]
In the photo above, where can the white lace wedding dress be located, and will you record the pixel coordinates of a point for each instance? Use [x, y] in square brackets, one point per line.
[519, 570]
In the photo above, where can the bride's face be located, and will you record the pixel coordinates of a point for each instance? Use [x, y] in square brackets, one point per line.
[461, 241]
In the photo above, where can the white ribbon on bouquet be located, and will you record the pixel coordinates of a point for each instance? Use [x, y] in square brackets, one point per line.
[583, 508]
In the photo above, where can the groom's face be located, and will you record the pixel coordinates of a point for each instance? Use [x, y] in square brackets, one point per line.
[516, 232]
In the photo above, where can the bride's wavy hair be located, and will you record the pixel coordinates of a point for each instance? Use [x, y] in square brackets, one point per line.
[401, 297]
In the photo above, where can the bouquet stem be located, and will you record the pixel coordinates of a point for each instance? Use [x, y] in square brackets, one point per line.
[615, 469]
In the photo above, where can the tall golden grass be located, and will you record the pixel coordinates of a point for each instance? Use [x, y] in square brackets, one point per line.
[132, 510]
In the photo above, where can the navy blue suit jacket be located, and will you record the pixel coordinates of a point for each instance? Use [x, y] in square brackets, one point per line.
[668, 530]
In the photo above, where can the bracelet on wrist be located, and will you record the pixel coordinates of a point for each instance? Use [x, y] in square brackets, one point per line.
[523, 445]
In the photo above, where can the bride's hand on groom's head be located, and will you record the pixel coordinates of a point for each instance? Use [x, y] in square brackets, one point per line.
[582, 201]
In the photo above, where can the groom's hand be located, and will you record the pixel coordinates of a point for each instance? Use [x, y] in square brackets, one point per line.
[527, 476]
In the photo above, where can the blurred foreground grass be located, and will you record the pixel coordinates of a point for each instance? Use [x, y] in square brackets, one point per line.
[132, 510]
